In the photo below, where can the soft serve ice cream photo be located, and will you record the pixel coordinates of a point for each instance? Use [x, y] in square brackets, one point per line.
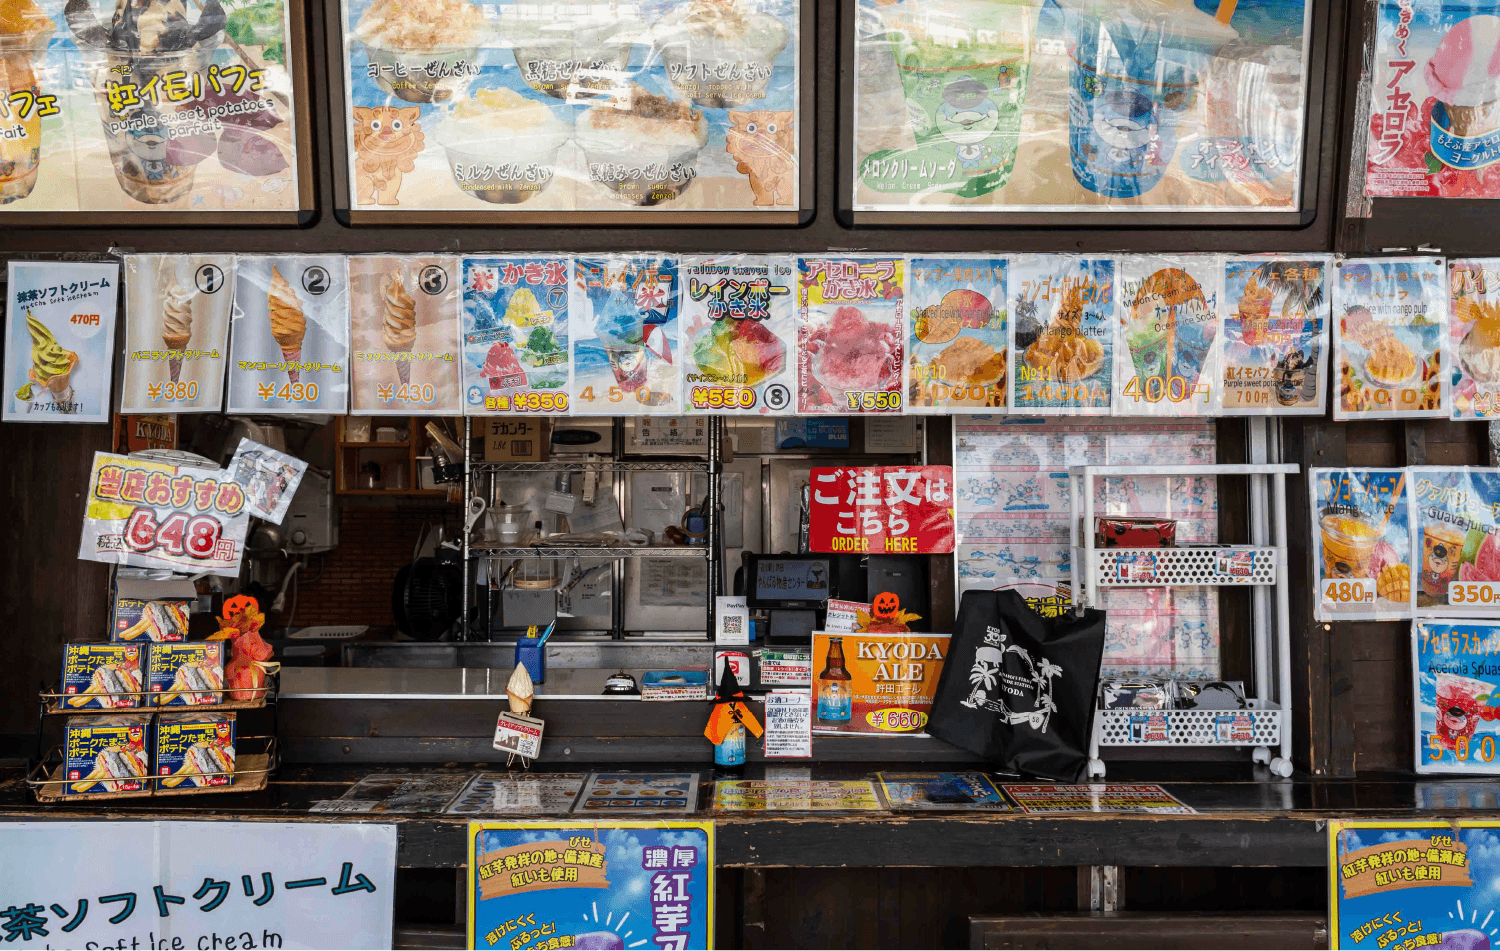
[176, 332]
[515, 334]
[289, 347]
[59, 336]
[403, 327]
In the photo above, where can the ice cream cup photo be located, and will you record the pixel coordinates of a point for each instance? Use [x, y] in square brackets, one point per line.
[551, 48]
[628, 365]
[642, 150]
[1347, 545]
[502, 147]
[423, 52]
[24, 36]
[720, 54]
[1464, 74]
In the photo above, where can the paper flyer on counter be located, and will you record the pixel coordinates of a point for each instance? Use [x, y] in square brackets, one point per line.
[851, 314]
[878, 682]
[289, 345]
[403, 329]
[1136, 799]
[639, 792]
[624, 336]
[1473, 342]
[1392, 318]
[1062, 334]
[59, 341]
[957, 334]
[1362, 530]
[1456, 691]
[270, 479]
[1456, 541]
[934, 792]
[177, 310]
[1169, 337]
[515, 335]
[753, 795]
[397, 793]
[546, 794]
[1433, 127]
[788, 723]
[1275, 336]
[739, 333]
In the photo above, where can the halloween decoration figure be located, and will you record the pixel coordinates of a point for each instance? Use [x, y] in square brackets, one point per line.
[885, 616]
[248, 668]
[729, 721]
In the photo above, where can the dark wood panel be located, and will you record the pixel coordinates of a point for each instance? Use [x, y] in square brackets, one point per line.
[1127, 930]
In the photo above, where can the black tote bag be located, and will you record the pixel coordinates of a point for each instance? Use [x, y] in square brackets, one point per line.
[1018, 688]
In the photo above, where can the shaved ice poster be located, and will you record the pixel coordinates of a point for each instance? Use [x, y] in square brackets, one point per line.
[1457, 541]
[849, 340]
[1392, 318]
[1275, 351]
[1456, 686]
[1062, 334]
[1435, 101]
[1413, 884]
[1168, 338]
[609, 885]
[515, 335]
[739, 334]
[624, 337]
[958, 335]
[59, 341]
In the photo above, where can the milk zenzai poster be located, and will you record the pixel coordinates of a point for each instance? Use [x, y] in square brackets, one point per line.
[739, 333]
[1168, 338]
[1392, 315]
[59, 341]
[1275, 333]
[958, 336]
[403, 325]
[849, 343]
[1474, 337]
[1435, 101]
[177, 310]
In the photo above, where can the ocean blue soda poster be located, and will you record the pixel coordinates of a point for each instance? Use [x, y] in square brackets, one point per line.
[515, 335]
[1456, 686]
[1413, 884]
[613, 886]
[1062, 334]
[957, 342]
[624, 336]
[1169, 338]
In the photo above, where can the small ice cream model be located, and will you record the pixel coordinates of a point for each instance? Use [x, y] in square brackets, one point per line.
[176, 324]
[24, 33]
[720, 38]
[288, 323]
[519, 690]
[742, 352]
[1062, 353]
[422, 51]
[1464, 74]
[399, 323]
[52, 367]
[650, 141]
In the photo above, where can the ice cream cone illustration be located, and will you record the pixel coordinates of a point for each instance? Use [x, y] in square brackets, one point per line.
[400, 323]
[1464, 74]
[288, 323]
[52, 366]
[177, 325]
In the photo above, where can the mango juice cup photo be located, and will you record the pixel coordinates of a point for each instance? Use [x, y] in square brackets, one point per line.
[1347, 545]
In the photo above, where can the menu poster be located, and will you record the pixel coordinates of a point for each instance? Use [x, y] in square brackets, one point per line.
[1169, 335]
[177, 309]
[1275, 336]
[788, 716]
[1062, 334]
[1456, 544]
[290, 347]
[546, 794]
[932, 792]
[851, 313]
[753, 795]
[403, 324]
[639, 792]
[739, 333]
[1456, 686]
[879, 682]
[1473, 342]
[1433, 131]
[1362, 529]
[624, 336]
[1392, 317]
[59, 341]
[957, 334]
[1136, 799]
[658, 105]
[269, 478]
[515, 335]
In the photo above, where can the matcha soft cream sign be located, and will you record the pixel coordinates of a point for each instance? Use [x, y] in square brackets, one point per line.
[59, 341]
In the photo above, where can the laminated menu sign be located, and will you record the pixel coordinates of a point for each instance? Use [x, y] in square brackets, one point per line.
[594, 883]
[1473, 342]
[930, 792]
[624, 336]
[1362, 529]
[157, 515]
[403, 328]
[549, 794]
[1275, 336]
[752, 795]
[1138, 799]
[515, 335]
[739, 331]
[639, 792]
[851, 313]
[788, 723]
[958, 335]
[59, 341]
[177, 309]
[1456, 689]
[290, 347]
[1456, 541]
[511, 106]
[1169, 337]
[1062, 334]
[873, 682]
[269, 478]
[881, 509]
[1392, 316]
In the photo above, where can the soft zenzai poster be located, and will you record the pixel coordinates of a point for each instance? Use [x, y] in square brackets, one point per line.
[1391, 319]
[403, 324]
[1168, 338]
[59, 341]
[177, 310]
[958, 339]
[290, 344]
[624, 336]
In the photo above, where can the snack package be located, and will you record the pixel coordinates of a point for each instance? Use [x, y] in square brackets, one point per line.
[270, 479]
[1169, 338]
[1392, 321]
[290, 348]
[1134, 532]
[1208, 695]
[1473, 343]
[177, 310]
[102, 676]
[192, 747]
[106, 754]
[1134, 695]
[159, 621]
[851, 313]
[403, 329]
[1362, 526]
[624, 336]
[1062, 334]
[739, 333]
[515, 335]
[958, 334]
[186, 675]
[1275, 333]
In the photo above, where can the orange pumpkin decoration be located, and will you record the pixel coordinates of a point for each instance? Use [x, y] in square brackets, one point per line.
[885, 605]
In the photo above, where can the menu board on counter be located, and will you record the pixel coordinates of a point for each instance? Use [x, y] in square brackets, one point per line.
[640, 792]
[932, 792]
[1392, 320]
[752, 795]
[545, 794]
[1275, 350]
[1137, 799]
[403, 323]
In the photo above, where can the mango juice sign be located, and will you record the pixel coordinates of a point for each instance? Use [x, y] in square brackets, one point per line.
[873, 683]
[596, 884]
[1400, 885]
[881, 510]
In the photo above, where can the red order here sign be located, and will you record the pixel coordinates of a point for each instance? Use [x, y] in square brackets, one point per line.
[881, 510]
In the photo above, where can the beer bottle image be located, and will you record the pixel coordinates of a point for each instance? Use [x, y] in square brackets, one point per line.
[835, 691]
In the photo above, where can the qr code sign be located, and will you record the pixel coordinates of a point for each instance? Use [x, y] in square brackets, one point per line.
[734, 624]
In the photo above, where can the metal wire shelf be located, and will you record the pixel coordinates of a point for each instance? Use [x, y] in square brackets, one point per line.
[251, 773]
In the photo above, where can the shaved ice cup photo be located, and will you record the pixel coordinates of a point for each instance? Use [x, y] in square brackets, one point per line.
[1464, 75]
[551, 48]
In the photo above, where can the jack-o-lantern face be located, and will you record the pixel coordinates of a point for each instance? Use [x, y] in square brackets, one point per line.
[885, 605]
[239, 604]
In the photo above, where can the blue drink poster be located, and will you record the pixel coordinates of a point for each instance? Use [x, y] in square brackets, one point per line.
[1392, 318]
[957, 342]
[624, 336]
[515, 335]
[1455, 682]
[1062, 334]
[1169, 337]
[1361, 524]
[607, 885]
[1413, 884]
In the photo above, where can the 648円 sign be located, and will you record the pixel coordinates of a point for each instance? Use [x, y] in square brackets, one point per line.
[881, 509]
[156, 515]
